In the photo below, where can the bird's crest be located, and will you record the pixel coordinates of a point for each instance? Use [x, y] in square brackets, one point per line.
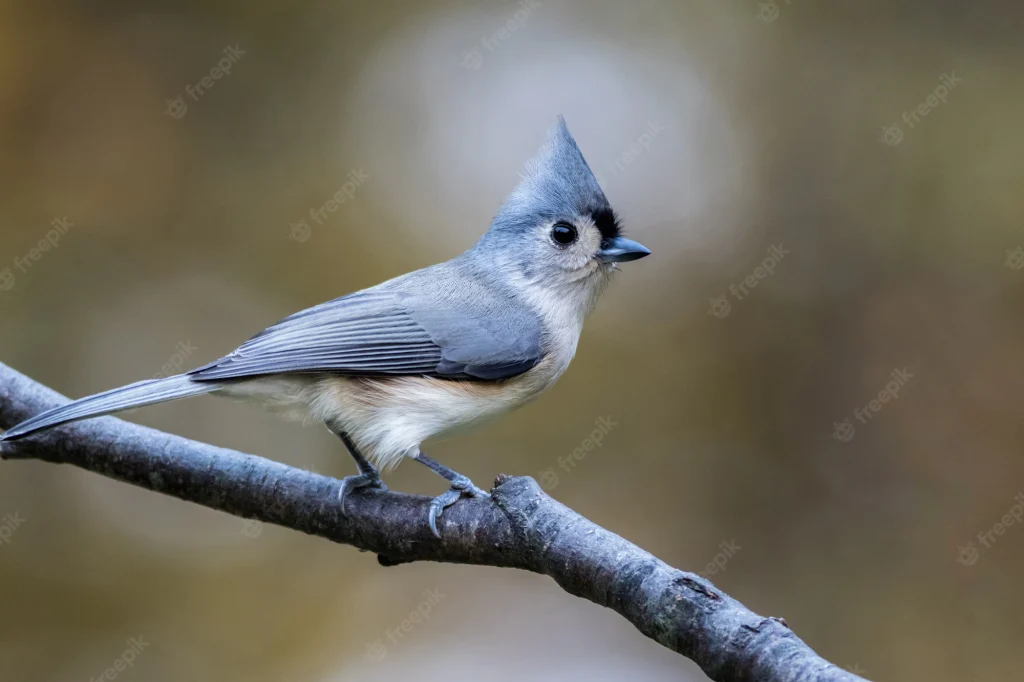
[557, 183]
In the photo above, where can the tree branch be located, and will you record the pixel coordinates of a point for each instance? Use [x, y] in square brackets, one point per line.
[520, 527]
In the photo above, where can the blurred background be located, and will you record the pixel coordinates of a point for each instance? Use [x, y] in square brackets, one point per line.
[810, 392]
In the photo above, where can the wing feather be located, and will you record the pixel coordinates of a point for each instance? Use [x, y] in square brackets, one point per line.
[374, 333]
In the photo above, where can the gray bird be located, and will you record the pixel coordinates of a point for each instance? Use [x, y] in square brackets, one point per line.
[432, 351]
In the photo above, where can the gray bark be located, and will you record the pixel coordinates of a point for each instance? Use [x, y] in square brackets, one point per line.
[519, 527]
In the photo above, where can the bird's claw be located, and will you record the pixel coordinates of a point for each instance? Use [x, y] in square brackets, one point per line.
[460, 486]
[369, 479]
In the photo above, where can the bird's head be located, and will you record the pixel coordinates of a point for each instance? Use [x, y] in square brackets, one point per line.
[557, 230]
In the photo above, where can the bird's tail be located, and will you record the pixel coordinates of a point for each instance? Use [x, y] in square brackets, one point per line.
[138, 394]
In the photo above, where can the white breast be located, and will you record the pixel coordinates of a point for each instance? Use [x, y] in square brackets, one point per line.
[389, 418]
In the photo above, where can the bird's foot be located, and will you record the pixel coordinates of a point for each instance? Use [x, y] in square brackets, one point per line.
[461, 485]
[369, 479]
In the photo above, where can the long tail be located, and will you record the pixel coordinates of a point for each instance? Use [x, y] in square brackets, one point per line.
[138, 394]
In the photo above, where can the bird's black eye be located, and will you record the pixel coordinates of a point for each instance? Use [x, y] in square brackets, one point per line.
[563, 233]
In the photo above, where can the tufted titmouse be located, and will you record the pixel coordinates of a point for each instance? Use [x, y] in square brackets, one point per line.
[431, 351]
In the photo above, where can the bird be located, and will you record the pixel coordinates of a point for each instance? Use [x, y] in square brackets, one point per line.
[431, 352]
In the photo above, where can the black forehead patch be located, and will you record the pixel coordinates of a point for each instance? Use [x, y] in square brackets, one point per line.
[606, 221]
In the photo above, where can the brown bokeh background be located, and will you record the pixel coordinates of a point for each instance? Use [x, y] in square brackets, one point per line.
[719, 129]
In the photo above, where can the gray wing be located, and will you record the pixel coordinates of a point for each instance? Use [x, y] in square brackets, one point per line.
[384, 333]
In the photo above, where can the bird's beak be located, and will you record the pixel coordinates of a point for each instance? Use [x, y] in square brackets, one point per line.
[620, 250]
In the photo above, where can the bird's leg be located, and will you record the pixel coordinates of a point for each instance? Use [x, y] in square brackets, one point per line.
[460, 486]
[368, 476]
